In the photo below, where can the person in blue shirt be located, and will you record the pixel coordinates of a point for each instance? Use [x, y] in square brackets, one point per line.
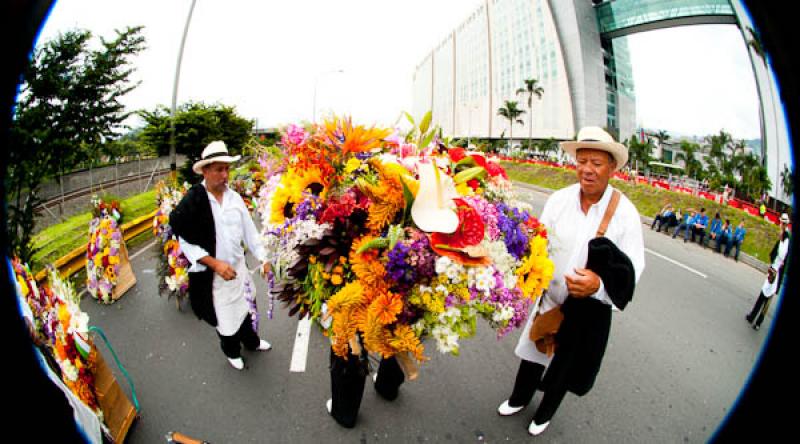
[736, 240]
[714, 229]
[686, 224]
[723, 233]
[699, 226]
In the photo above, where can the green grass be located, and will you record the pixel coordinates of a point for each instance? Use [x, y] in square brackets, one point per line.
[758, 242]
[57, 240]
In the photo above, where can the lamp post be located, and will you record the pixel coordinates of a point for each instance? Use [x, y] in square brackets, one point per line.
[173, 164]
[316, 80]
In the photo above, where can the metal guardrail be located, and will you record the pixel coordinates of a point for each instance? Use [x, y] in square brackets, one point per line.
[75, 260]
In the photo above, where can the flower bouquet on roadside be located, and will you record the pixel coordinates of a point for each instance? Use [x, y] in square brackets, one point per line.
[62, 329]
[103, 251]
[173, 266]
[389, 239]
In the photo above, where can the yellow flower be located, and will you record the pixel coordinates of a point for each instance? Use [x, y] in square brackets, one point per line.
[352, 165]
[336, 279]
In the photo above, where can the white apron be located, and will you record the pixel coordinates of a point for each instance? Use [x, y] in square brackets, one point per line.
[230, 303]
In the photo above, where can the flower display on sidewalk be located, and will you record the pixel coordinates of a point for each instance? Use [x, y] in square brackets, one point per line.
[62, 329]
[103, 251]
[173, 266]
[395, 238]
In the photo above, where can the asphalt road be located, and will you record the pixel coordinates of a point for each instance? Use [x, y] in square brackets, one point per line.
[677, 359]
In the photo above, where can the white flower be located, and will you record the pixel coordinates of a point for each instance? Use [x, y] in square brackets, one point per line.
[69, 371]
[442, 264]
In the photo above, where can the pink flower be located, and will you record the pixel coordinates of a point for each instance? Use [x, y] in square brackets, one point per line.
[294, 136]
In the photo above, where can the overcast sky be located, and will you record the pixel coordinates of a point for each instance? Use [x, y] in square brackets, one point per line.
[268, 57]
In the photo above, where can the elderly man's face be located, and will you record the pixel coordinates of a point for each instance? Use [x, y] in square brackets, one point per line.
[594, 169]
[216, 176]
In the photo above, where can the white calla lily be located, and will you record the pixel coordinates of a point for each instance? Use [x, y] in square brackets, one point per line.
[434, 209]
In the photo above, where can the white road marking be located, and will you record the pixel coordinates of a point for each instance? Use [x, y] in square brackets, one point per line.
[300, 351]
[684, 266]
[134, 255]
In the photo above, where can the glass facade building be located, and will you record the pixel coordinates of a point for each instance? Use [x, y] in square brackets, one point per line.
[482, 64]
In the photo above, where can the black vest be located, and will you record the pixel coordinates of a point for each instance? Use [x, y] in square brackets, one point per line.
[193, 220]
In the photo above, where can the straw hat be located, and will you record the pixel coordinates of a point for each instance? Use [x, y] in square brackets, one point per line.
[216, 151]
[597, 139]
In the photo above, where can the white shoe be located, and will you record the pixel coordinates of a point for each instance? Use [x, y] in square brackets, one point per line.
[536, 429]
[375, 377]
[506, 410]
[264, 346]
[237, 363]
[329, 405]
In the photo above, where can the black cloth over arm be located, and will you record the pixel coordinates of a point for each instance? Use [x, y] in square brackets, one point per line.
[615, 269]
[583, 335]
[193, 220]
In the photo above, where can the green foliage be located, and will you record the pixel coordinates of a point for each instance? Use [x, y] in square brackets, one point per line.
[511, 111]
[195, 126]
[640, 154]
[68, 107]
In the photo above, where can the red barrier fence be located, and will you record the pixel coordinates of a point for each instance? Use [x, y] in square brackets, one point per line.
[748, 207]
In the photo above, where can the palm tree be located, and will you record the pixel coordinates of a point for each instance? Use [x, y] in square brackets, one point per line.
[531, 88]
[692, 165]
[640, 153]
[510, 111]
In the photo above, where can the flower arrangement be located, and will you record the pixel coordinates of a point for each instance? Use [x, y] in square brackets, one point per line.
[62, 328]
[103, 256]
[173, 265]
[108, 207]
[388, 241]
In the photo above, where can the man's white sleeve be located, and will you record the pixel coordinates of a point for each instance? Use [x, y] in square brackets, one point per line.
[193, 253]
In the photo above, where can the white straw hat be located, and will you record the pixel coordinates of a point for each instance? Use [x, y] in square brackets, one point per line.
[597, 139]
[216, 151]
[785, 218]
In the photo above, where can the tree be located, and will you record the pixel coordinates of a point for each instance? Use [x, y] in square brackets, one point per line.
[692, 166]
[787, 182]
[548, 145]
[640, 153]
[67, 108]
[510, 111]
[196, 125]
[531, 89]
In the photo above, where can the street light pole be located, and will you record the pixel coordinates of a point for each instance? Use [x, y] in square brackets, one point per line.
[316, 80]
[173, 162]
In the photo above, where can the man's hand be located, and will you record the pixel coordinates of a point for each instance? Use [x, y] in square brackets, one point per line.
[583, 283]
[265, 268]
[224, 269]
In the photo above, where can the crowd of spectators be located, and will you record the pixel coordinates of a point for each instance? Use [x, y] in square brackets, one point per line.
[720, 235]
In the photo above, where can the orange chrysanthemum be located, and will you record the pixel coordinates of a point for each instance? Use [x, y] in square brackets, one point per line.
[404, 340]
[386, 307]
[367, 268]
[387, 197]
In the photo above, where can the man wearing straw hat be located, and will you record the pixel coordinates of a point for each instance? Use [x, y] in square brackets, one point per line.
[212, 224]
[596, 244]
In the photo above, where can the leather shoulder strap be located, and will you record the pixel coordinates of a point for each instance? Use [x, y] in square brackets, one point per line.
[610, 209]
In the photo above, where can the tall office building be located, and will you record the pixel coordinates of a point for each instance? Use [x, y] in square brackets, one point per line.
[481, 64]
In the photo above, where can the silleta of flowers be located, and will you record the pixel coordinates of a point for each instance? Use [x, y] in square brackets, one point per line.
[103, 251]
[63, 328]
[173, 267]
[389, 241]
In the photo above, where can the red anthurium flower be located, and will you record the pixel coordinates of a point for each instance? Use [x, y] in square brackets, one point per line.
[456, 154]
[479, 160]
[474, 184]
[470, 228]
[495, 169]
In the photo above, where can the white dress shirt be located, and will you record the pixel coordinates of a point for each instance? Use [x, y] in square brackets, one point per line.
[783, 250]
[569, 231]
[234, 228]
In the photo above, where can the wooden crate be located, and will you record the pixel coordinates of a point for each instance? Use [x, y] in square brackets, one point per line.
[126, 278]
[118, 411]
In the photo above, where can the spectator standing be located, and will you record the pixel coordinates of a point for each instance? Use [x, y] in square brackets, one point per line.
[780, 251]
[769, 289]
[736, 239]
